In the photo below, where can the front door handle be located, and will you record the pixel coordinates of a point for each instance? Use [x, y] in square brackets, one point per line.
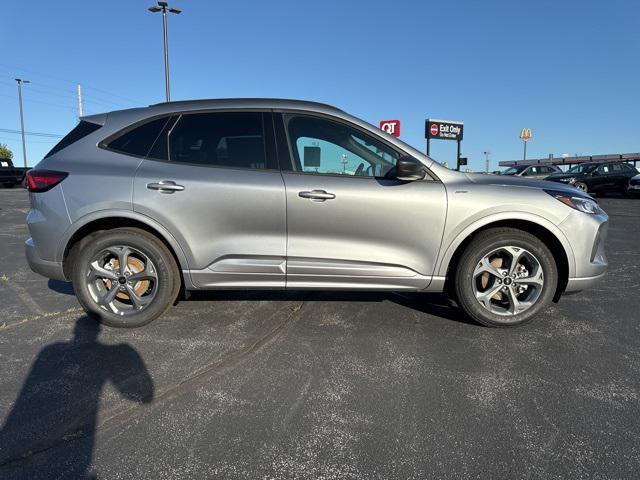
[165, 186]
[317, 195]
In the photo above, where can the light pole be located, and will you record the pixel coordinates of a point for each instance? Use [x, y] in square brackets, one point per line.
[164, 8]
[20, 81]
[486, 157]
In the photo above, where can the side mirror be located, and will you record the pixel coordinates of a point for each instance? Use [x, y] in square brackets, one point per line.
[408, 169]
[595, 172]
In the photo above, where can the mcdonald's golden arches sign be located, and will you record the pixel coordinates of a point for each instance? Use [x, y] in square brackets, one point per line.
[525, 134]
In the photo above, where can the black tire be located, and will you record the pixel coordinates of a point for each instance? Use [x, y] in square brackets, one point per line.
[480, 246]
[168, 275]
[582, 187]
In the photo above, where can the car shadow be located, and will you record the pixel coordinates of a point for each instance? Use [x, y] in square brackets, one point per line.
[435, 304]
[59, 400]
[60, 286]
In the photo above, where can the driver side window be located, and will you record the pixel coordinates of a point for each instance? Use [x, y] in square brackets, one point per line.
[326, 147]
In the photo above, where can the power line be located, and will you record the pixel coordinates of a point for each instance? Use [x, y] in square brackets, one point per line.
[11, 69]
[47, 142]
[29, 100]
[68, 95]
[36, 134]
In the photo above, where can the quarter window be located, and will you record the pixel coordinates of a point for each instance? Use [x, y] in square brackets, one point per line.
[80, 131]
[327, 147]
[139, 140]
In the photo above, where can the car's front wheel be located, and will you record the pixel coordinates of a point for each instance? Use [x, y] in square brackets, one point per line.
[125, 277]
[505, 277]
[581, 186]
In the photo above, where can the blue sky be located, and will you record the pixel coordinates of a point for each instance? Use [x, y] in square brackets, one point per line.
[569, 70]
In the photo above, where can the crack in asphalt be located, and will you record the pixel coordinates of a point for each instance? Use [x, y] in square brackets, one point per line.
[216, 368]
[23, 295]
[6, 326]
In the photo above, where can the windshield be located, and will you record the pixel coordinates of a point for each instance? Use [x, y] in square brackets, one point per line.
[585, 168]
[514, 170]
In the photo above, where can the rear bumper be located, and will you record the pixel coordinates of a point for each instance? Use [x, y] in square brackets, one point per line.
[46, 268]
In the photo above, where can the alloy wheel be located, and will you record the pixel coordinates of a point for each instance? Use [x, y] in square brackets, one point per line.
[508, 280]
[122, 280]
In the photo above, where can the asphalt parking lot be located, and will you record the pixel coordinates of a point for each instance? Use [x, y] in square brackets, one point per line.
[319, 385]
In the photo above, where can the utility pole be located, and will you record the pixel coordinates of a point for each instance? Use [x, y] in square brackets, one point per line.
[164, 8]
[20, 81]
[80, 110]
[486, 156]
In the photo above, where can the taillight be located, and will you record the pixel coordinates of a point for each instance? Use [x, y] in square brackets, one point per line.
[43, 180]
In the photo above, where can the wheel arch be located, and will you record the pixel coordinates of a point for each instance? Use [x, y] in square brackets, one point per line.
[94, 223]
[548, 234]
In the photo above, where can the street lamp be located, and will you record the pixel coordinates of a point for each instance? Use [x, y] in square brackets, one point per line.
[486, 157]
[20, 81]
[164, 8]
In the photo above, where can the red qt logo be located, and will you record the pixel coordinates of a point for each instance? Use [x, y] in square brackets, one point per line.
[392, 127]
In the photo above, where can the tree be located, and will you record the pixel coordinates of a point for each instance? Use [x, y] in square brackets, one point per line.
[5, 152]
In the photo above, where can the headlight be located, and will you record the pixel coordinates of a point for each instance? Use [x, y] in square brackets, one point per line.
[568, 180]
[582, 204]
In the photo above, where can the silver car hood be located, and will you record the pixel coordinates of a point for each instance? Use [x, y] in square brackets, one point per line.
[509, 181]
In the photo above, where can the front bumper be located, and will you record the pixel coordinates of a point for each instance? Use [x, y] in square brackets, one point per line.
[587, 235]
[46, 268]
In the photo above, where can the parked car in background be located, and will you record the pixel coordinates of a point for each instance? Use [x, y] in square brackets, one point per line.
[634, 186]
[532, 171]
[10, 176]
[136, 205]
[598, 178]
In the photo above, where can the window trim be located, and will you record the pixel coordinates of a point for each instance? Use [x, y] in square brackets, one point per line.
[103, 144]
[429, 177]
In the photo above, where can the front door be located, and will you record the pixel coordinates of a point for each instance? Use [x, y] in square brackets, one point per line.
[213, 185]
[350, 223]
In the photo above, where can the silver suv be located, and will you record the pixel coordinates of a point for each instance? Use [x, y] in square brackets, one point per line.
[134, 206]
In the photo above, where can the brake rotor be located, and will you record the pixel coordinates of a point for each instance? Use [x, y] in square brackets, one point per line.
[495, 262]
[135, 266]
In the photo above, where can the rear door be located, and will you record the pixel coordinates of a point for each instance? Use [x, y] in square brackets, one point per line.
[212, 180]
[350, 223]
[605, 179]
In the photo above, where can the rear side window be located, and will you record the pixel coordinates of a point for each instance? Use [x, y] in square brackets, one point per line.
[139, 140]
[80, 131]
[224, 139]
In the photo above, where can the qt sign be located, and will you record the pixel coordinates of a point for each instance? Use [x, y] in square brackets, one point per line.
[443, 129]
[392, 127]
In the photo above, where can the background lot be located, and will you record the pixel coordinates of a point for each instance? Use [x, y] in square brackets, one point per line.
[310, 385]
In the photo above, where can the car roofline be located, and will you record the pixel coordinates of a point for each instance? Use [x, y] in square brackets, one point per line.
[248, 102]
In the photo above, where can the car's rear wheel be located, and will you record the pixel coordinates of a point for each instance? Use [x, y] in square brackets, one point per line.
[505, 277]
[125, 277]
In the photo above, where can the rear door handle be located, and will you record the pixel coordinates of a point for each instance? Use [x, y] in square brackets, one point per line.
[317, 195]
[165, 186]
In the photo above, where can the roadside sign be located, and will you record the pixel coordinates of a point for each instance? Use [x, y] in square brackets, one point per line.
[525, 134]
[462, 161]
[392, 127]
[443, 129]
